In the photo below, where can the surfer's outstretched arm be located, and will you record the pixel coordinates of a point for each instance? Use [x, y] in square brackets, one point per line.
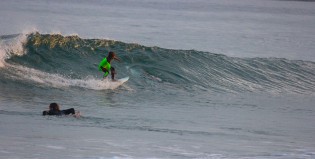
[117, 59]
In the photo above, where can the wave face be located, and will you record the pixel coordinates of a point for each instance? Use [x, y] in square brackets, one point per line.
[53, 60]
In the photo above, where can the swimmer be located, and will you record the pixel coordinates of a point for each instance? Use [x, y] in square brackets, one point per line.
[54, 109]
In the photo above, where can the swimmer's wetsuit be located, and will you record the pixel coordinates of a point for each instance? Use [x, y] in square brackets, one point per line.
[62, 112]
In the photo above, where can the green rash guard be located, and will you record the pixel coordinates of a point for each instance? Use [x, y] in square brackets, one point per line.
[104, 64]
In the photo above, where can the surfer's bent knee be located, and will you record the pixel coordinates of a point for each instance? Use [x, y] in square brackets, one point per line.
[104, 69]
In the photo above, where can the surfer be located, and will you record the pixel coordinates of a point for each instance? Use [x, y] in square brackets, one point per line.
[54, 109]
[106, 67]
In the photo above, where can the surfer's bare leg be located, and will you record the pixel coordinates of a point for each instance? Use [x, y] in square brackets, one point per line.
[112, 72]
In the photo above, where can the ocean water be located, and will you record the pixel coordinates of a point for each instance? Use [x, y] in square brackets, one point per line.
[208, 79]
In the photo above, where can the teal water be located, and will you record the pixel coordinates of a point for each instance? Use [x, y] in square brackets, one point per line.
[176, 104]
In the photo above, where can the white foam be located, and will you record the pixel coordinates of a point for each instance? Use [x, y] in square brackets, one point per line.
[29, 30]
[2, 57]
[11, 47]
[20, 72]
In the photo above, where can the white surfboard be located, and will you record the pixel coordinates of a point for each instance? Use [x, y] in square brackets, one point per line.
[119, 82]
[108, 83]
[122, 80]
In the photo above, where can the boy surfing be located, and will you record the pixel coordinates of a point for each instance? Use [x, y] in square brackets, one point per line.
[106, 67]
